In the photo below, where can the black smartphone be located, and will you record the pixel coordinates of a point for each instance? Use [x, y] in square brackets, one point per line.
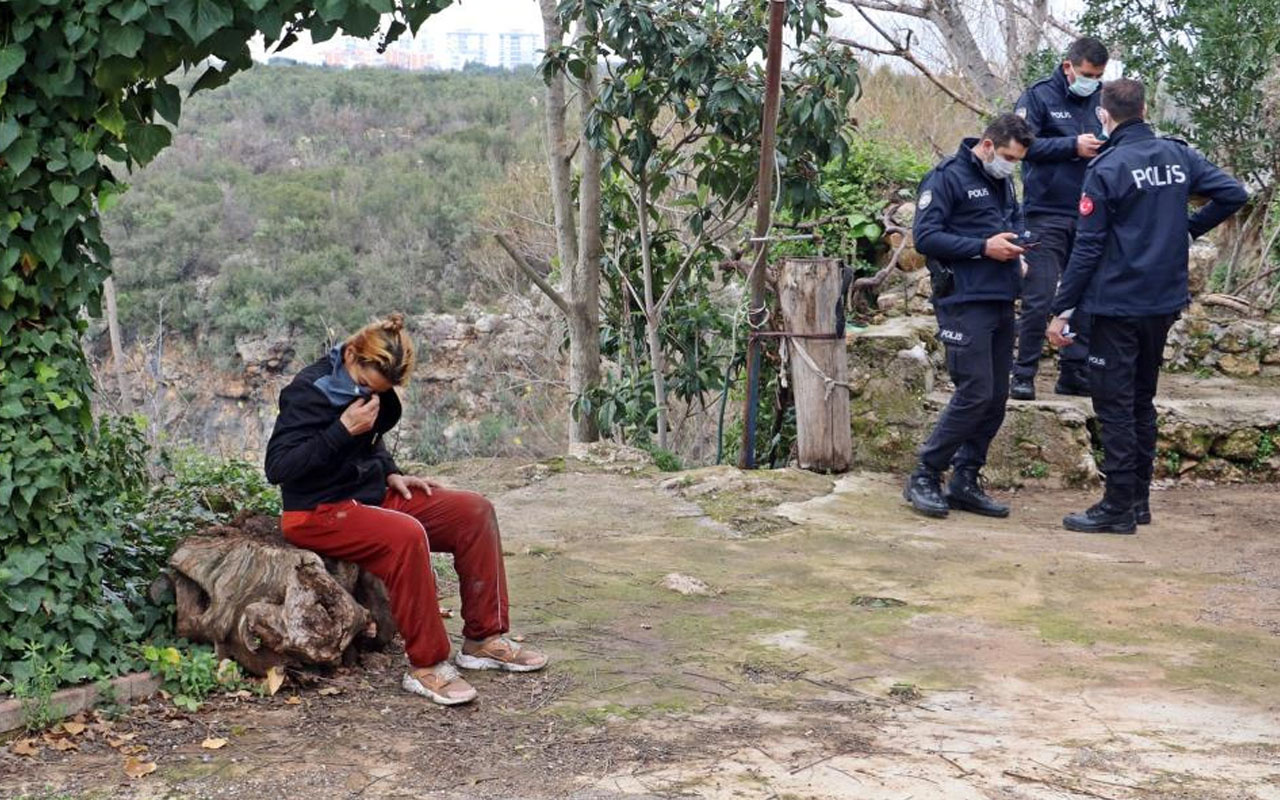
[1027, 241]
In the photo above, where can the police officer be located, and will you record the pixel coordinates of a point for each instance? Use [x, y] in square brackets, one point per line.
[1129, 271]
[1062, 112]
[966, 218]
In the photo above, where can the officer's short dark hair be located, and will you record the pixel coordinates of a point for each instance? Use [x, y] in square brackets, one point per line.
[1009, 128]
[1124, 99]
[1087, 48]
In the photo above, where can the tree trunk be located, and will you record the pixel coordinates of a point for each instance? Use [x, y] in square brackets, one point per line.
[808, 291]
[584, 323]
[261, 601]
[652, 315]
[948, 16]
[117, 347]
[558, 147]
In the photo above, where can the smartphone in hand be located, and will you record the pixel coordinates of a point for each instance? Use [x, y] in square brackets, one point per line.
[1027, 241]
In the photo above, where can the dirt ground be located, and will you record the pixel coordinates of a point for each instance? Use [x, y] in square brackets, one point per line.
[844, 648]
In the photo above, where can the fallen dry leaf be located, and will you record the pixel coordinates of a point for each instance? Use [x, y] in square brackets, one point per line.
[61, 745]
[330, 690]
[213, 744]
[517, 638]
[25, 747]
[293, 700]
[136, 768]
[274, 680]
[74, 728]
[133, 749]
[243, 694]
[446, 613]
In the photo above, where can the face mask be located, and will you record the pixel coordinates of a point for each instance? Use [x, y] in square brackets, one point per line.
[1083, 87]
[999, 168]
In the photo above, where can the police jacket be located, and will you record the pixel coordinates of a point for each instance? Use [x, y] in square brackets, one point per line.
[960, 206]
[1130, 253]
[1052, 172]
[313, 458]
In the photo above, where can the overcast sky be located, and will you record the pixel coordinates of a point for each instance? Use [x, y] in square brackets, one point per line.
[507, 15]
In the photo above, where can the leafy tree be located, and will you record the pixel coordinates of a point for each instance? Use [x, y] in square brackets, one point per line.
[678, 118]
[1207, 64]
[84, 83]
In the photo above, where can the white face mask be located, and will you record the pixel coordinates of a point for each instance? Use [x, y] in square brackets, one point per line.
[998, 167]
[1083, 86]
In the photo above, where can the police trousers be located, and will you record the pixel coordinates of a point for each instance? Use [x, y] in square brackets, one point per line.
[1045, 265]
[979, 341]
[1125, 355]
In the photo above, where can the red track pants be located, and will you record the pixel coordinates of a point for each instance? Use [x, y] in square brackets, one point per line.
[394, 541]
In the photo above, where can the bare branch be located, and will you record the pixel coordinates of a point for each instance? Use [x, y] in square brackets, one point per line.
[903, 50]
[538, 280]
[889, 7]
[679, 276]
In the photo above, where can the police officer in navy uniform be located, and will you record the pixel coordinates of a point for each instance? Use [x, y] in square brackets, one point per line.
[967, 221]
[1062, 111]
[1129, 271]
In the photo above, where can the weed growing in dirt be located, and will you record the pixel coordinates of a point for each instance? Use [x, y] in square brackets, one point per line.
[1036, 469]
[1266, 448]
[35, 682]
[193, 675]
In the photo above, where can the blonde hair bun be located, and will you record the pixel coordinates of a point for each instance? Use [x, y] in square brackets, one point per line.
[394, 323]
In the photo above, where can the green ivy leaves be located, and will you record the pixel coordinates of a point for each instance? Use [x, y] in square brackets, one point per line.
[83, 85]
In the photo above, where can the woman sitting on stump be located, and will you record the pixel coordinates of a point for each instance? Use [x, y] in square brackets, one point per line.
[344, 497]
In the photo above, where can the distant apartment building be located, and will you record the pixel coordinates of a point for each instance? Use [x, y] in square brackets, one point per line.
[516, 49]
[439, 50]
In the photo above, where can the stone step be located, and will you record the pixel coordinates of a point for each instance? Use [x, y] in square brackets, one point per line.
[1216, 428]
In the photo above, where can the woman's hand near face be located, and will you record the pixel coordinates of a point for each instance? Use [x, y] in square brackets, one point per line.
[404, 485]
[360, 415]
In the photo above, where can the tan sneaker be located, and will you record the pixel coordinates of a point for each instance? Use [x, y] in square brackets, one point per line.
[499, 652]
[441, 683]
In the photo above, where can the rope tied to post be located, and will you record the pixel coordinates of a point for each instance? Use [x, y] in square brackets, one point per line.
[829, 383]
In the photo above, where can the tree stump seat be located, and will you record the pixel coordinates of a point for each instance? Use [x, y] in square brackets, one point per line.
[263, 602]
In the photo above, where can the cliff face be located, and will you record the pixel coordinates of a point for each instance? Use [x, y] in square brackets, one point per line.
[486, 384]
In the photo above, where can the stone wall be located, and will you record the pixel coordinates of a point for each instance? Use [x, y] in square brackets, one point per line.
[898, 382]
[1220, 429]
[1241, 348]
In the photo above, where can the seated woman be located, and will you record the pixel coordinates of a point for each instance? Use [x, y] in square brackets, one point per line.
[344, 497]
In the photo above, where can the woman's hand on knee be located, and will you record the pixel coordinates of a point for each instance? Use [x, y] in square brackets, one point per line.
[404, 485]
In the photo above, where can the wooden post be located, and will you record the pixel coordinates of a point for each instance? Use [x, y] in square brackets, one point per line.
[808, 290]
[756, 315]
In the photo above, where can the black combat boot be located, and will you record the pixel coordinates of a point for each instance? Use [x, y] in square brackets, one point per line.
[1022, 388]
[924, 492]
[1072, 380]
[965, 493]
[1142, 505]
[1113, 515]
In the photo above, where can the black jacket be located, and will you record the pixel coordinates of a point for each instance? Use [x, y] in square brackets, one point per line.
[1130, 253]
[1052, 172]
[959, 207]
[313, 458]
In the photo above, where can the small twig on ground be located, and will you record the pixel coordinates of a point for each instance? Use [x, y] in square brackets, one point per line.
[964, 773]
[813, 764]
[1057, 785]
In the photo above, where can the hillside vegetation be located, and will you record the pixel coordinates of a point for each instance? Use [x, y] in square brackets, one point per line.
[307, 199]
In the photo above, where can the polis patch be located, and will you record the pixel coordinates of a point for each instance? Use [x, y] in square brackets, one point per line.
[1086, 205]
[926, 197]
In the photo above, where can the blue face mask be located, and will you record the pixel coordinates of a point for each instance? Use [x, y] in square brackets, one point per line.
[1083, 87]
[337, 385]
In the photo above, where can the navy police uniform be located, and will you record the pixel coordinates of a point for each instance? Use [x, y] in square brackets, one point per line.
[1129, 270]
[1052, 174]
[960, 206]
